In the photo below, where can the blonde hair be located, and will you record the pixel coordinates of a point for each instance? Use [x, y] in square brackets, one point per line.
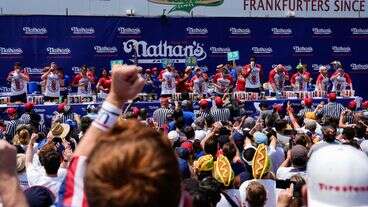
[22, 137]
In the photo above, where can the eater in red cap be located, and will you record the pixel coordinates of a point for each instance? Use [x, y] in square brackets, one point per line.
[219, 112]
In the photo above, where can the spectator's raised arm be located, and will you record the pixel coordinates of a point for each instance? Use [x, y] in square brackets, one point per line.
[126, 84]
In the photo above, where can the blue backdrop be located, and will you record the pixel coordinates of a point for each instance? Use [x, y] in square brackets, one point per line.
[71, 41]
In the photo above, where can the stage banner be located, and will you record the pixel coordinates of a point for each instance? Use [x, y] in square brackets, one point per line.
[72, 41]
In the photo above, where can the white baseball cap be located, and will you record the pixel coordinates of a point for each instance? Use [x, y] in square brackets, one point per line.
[337, 176]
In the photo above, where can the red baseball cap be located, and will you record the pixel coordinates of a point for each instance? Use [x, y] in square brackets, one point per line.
[308, 101]
[203, 103]
[352, 105]
[188, 145]
[219, 101]
[11, 111]
[332, 96]
[28, 106]
[365, 105]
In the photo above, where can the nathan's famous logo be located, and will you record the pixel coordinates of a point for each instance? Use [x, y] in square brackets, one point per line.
[105, 49]
[34, 71]
[281, 31]
[359, 31]
[239, 31]
[317, 66]
[302, 49]
[129, 31]
[58, 51]
[151, 53]
[219, 50]
[34, 30]
[321, 31]
[262, 50]
[187, 5]
[340, 49]
[355, 66]
[197, 31]
[10, 51]
[82, 30]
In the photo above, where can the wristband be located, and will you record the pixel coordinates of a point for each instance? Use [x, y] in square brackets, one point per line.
[107, 116]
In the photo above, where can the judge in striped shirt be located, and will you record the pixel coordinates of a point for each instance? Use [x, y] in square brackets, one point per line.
[331, 109]
[220, 113]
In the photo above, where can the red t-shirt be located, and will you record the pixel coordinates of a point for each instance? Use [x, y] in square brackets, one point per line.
[105, 82]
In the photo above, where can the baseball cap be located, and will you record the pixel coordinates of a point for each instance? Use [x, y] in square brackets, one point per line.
[332, 96]
[173, 136]
[260, 138]
[28, 106]
[352, 105]
[11, 111]
[188, 145]
[365, 105]
[299, 155]
[308, 101]
[219, 101]
[337, 176]
[203, 103]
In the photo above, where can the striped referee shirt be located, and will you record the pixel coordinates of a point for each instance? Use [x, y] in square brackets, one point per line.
[160, 115]
[220, 114]
[202, 114]
[10, 129]
[332, 109]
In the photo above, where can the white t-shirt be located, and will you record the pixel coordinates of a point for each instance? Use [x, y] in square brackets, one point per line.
[199, 85]
[168, 84]
[233, 194]
[18, 84]
[36, 175]
[277, 157]
[339, 84]
[52, 85]
[270, 187]
[85, 88]
[284, 173]
[253, 80]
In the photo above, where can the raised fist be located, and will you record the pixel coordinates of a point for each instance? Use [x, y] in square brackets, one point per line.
[126, 84]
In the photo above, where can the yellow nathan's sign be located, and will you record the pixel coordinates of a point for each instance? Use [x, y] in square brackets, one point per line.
[187, 5]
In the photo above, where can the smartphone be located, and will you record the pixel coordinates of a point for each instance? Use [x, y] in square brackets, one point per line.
[283, 184]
